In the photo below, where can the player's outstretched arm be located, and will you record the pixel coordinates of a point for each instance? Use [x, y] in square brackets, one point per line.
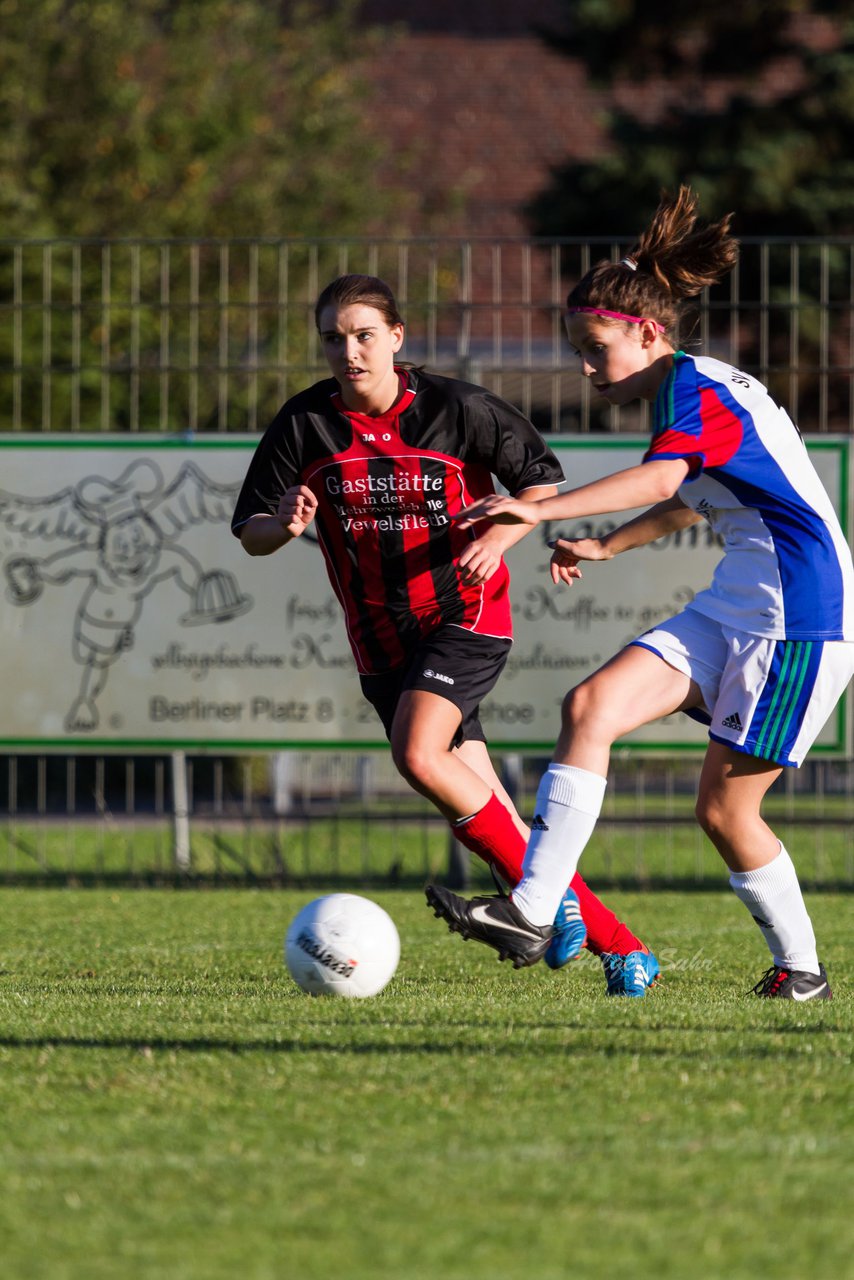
[263, 534]
[482, 557]
[650, 482]
[500, 510]
[664, 517]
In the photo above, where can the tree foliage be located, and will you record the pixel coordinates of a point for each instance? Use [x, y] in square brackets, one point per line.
[752, 104]
[234, 124]
[185, 118]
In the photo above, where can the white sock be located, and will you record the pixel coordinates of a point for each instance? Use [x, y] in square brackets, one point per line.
[567, 806]
[773, 897]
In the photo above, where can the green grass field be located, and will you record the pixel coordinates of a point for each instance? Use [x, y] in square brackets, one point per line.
[172, 1107]
[638, 852]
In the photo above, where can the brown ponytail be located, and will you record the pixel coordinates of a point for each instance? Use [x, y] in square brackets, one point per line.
[672, 260]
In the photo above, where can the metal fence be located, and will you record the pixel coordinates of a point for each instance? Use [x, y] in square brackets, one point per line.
[335, 819]
[211, 336]
[177, 336]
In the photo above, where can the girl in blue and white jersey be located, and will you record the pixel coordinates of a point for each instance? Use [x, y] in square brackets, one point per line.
[763, 656]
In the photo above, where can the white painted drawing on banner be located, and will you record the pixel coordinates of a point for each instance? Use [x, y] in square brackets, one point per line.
[121, 538]
[130, 616]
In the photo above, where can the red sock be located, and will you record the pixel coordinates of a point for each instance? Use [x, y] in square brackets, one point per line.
[604, 931]
[494, 837]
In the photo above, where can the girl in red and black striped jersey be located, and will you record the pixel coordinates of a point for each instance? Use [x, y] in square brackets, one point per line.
[382, 458]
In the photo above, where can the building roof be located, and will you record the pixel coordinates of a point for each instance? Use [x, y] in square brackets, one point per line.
[476, 124]
[482, 18]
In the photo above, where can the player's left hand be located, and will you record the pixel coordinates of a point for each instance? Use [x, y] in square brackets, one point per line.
[478, 563]
[500, 510]
[566, 555]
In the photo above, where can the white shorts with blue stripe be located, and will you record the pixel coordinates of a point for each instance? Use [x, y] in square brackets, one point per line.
[767, 698]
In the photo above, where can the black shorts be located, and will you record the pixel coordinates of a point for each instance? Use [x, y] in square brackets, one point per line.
[457, 664]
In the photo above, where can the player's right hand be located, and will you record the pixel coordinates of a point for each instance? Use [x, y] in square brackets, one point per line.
[500, 509]
[297, 508]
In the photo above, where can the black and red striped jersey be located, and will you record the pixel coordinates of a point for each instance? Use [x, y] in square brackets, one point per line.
[387, 489]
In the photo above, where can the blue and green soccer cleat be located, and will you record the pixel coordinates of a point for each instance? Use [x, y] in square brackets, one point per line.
[570, 932]
[630, 975]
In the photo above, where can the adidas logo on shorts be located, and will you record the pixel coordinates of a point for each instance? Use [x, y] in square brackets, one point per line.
[733, 721]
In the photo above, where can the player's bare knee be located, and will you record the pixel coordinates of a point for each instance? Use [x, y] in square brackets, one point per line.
[712, 816]
[414, 761]
[584, 710]
[571, 711]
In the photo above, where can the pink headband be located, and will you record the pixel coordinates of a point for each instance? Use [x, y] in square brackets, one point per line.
[616, 315]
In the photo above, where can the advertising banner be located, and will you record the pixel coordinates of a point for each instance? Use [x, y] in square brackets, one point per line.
[133, 620]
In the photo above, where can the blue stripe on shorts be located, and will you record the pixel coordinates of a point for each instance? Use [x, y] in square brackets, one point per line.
[788, 691]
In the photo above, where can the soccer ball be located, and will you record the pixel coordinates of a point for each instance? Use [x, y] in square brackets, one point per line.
[342, 945]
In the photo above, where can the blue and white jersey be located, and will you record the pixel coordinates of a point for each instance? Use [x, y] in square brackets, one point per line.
[786, 572]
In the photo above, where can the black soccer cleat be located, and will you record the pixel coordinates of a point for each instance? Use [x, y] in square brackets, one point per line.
[495, 921]
[778, 983]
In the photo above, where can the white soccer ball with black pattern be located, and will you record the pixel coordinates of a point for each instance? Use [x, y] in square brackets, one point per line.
[342, 945]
